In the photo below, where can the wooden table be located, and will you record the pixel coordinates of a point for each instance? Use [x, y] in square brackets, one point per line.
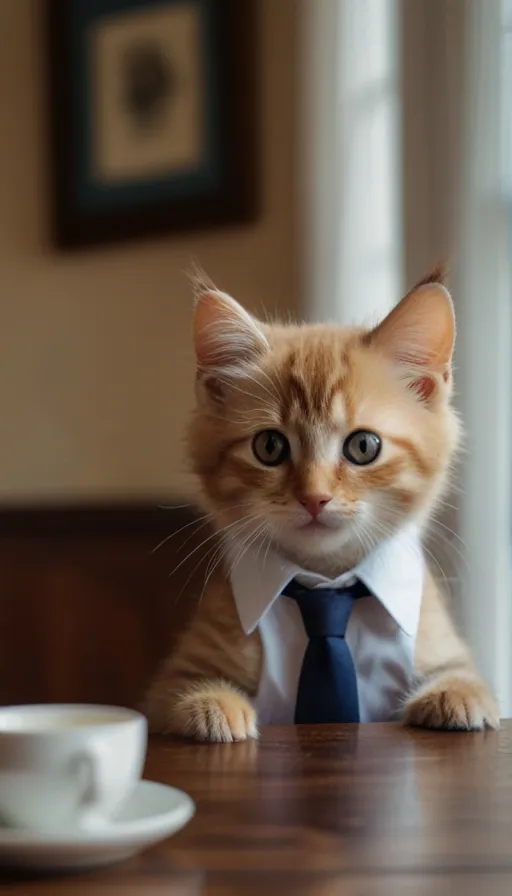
[358, 811]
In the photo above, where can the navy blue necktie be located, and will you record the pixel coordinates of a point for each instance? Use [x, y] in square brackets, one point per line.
[328, 682]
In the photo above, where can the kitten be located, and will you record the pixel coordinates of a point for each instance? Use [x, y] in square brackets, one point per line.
[394, 380]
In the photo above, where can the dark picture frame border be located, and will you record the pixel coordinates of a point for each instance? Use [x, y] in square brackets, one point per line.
[235, 203]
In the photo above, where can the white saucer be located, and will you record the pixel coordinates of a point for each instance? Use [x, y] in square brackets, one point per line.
[152, 813]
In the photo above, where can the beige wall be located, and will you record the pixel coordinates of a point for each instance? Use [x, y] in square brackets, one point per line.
[95, 358]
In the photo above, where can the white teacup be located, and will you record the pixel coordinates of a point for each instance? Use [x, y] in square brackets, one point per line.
[67, 765]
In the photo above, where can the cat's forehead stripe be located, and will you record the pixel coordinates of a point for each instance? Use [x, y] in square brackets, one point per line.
[295, 392]
[311, 378]
[320, 399]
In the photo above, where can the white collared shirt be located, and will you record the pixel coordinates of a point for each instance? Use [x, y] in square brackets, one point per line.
[381, 632]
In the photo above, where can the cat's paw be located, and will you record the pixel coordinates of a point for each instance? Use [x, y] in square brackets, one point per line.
[455, 701]
[217, 713]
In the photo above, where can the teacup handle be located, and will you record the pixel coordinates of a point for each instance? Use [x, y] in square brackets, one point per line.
[87, 763]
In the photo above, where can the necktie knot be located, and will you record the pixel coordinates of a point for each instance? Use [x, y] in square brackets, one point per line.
[325, 611]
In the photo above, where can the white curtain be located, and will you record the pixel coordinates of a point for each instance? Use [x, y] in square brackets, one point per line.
[372, 212]
[485, 331]
[350, 177]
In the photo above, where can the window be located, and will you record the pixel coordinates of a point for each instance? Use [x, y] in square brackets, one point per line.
[352, 165]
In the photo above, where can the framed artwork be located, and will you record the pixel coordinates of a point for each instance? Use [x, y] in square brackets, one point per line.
[154, 119]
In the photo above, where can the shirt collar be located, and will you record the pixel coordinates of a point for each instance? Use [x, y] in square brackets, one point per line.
[393, 572]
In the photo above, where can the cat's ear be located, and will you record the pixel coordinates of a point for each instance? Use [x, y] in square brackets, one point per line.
[419, 335]
[227, 339]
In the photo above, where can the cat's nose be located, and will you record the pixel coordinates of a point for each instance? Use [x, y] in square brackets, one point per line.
[314, 504]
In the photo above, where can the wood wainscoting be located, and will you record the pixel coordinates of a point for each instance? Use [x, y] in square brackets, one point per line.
[87, 610]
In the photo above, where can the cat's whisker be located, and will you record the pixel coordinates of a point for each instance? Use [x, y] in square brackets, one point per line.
[275, 390]
[215, 534]
[252, 416]
[259, 536]
[269, 544]
[246, 544]
[193, 535]
[261, 545]
[175, 506]
[231, 385]
[183, 588]
[217, 514]
[194, 522]
[273, 395]
[215, 551]
[451, 532]
[222, 548]
[200, 521]
[443, 504]
[241, 546]
[366, 540]
[252, 539]
[436, 562]
[236, 533]
[439, 541]
[218, 557]
[449, 550]
[262, 403]
[252, 424]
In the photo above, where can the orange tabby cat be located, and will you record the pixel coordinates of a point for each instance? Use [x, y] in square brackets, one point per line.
[396, 381]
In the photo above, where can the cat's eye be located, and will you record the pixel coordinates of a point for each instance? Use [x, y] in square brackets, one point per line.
[362, 447]
[270, 447]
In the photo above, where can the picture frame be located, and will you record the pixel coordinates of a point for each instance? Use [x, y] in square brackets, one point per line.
[154, 124]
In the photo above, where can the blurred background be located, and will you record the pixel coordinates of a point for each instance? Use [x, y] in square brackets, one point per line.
[380, 142]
